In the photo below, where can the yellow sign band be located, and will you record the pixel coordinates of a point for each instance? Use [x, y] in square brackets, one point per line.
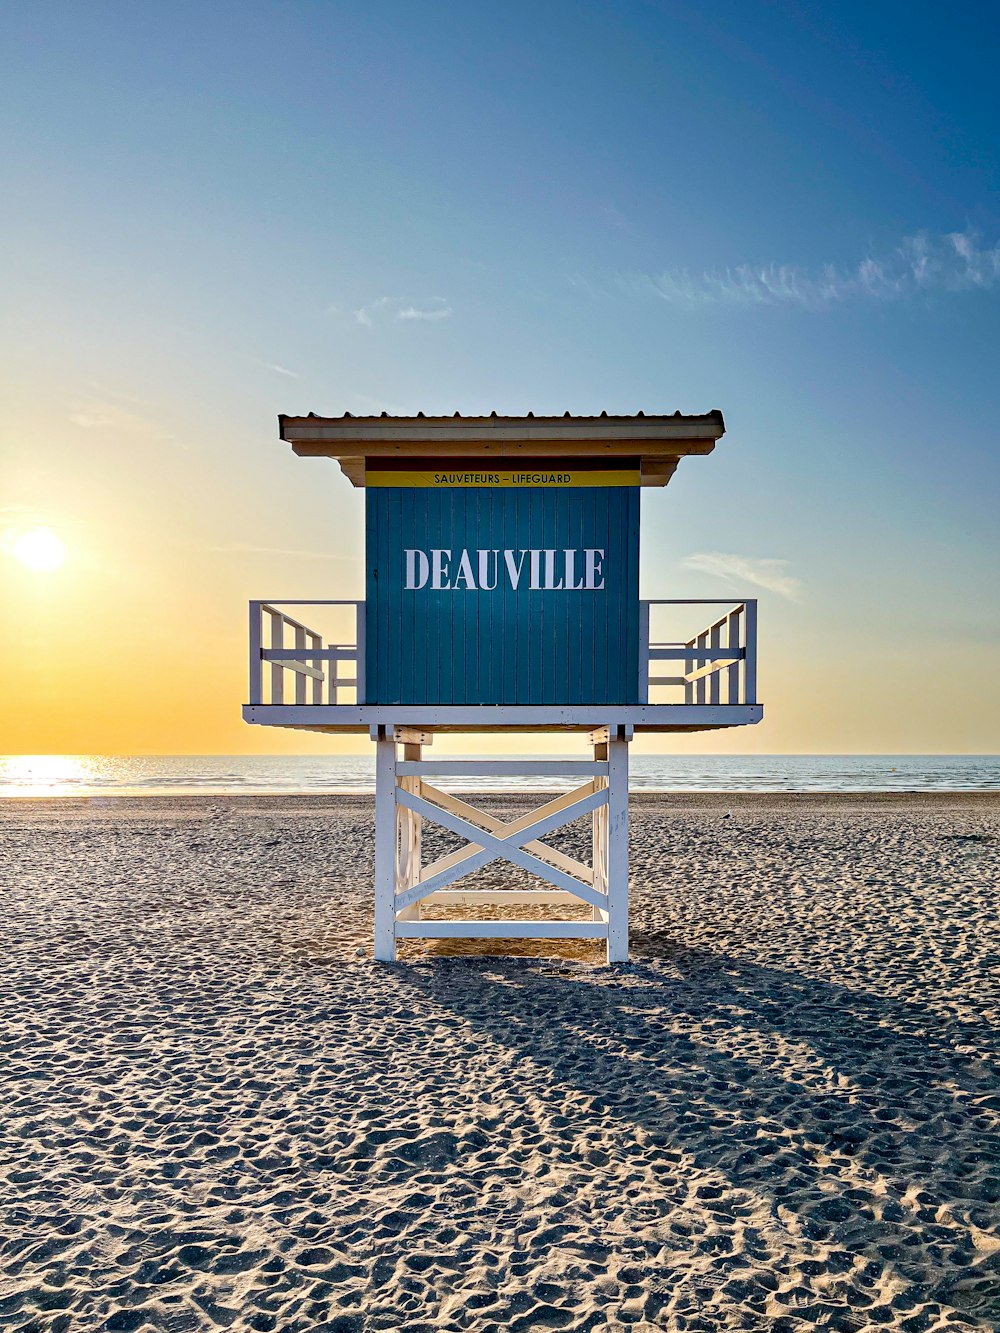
[522, 478]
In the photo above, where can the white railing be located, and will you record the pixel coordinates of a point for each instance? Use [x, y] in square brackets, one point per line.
[718, 665]
[282, 646]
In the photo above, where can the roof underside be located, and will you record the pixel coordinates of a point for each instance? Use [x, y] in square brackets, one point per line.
[654, 443]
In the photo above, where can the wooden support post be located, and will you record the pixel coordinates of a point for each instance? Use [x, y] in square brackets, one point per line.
[414, 829]
[617, 846]
[385, 846]
[599, 838]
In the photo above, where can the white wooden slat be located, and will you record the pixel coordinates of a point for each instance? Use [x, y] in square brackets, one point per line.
[711, 670]
[700, 690]
[300, 680]
[316, 686]
[733, 672]
[301, 670]
[256, 681]
[449, 801]
[715, 680]
[329, 654]
[494, 767]
[750, 664]
[501, 930]
[688, 686]
[360, 613]
[472, 897]
[277, 672]
[644, 681]
[684, 653]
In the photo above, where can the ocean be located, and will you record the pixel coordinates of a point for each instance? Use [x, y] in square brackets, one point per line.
[192, 775]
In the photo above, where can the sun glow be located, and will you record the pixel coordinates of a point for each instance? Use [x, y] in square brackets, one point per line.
[39, 549]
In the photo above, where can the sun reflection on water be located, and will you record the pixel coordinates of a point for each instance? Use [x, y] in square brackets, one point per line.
[44, 774]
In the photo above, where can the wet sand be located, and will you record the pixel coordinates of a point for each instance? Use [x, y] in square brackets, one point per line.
[218, 1112]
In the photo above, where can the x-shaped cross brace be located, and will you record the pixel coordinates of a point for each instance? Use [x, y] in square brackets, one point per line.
[495, 848]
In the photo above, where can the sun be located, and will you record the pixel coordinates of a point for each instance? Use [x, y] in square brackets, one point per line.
[39, 549]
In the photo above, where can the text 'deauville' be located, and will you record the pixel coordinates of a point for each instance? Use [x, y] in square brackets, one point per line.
[534, 570]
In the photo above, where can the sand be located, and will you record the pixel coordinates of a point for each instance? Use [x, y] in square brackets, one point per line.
[218, 1112]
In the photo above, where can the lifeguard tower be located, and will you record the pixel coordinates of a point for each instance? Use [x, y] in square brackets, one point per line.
[502, 594]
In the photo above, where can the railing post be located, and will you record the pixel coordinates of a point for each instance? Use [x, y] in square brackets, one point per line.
[750, 663]
[277, 671]
[300, 679]
[256, 615]
[644, 652]
[701, 684]
[714, 680]
[359, 667]
[317, 683]
[733, 641]
[689, 665]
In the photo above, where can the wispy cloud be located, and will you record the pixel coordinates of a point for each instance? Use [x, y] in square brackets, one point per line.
[954, 262]
[736, 569]
[99, 414]
[396, 309]
[281, 370]
[248, 548]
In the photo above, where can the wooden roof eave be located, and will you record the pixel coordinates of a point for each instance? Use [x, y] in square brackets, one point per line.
[658, 442]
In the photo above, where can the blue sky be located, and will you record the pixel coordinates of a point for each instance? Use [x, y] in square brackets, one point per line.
[788, 211]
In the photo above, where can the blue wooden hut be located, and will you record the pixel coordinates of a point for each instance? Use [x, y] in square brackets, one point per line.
[502, 593]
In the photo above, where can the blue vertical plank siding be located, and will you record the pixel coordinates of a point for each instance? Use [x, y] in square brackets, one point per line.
[502, 646]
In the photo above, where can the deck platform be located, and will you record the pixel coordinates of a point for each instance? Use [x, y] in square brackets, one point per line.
[362, 719]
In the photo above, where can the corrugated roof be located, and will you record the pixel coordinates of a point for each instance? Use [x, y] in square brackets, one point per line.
[654, 441]
[715, 416]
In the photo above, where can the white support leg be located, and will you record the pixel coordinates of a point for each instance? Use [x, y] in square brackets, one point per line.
[599, 839]
[385, 846]
[617, 846]
[412, 826]
[404, 798]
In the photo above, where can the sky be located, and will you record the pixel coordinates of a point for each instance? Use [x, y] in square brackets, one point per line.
[211, 214]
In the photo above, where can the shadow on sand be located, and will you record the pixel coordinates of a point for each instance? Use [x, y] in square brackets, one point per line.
[865, 1121]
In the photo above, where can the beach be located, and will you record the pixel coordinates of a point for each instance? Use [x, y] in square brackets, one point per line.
[220, 1112]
